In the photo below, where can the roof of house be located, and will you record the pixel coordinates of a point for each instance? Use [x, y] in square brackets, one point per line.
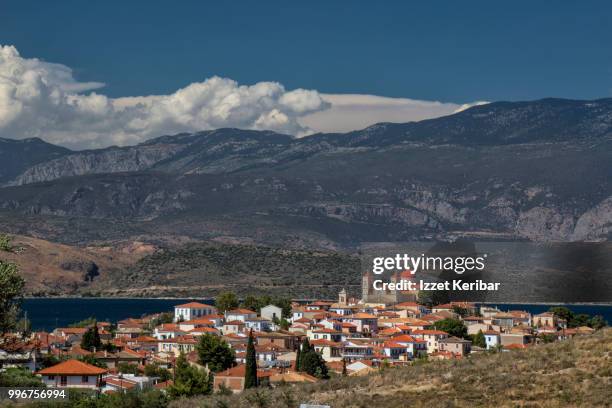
[454, 339]
[444, 306]
[204, 330]
[234, 323]
[195, 305]
[239, 371]
[324, 342]
[293, 377]
[362, 316]
[430, 332]
[72, 330]
[72, 367]
[404, 338]
[240, 311]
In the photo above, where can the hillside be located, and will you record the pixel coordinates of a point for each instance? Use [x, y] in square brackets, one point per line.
[209, 268]
[537, 170]
[57, 269]
[572, 373]
[138, 269]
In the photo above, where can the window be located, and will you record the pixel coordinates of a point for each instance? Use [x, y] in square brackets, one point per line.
[85, 379]
[63, 380]
[51, 377]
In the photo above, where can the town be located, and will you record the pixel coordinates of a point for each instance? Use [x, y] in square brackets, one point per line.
[269, 342]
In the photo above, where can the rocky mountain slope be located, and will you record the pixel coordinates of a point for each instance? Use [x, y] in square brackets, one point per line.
[537, 170]
[17, 156]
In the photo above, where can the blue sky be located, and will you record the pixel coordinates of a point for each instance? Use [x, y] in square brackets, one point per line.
[448, 51]
[455, 52]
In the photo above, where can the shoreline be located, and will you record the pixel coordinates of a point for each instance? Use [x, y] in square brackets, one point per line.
[212, 298]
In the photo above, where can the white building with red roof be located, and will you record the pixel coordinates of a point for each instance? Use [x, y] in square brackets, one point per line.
[72, 374]
[193, 310]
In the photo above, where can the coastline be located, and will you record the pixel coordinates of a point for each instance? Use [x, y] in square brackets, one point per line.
[212, 298]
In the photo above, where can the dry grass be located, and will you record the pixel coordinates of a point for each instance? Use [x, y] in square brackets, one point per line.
[573, 373]
[40, 263]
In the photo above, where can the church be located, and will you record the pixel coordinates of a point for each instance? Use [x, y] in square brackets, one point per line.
[371, 295]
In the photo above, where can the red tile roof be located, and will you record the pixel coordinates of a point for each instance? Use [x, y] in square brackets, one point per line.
[429, 332]
[72, 367]
[195, 305]
[240, 311]
[240, 370]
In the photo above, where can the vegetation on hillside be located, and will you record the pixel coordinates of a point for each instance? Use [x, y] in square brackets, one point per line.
[213, 268]
[11, 289]
[575, 372]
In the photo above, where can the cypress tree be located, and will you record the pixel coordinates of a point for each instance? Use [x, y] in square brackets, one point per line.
[91, 339]
[298, 354]
[344, 372]
[250, 374]
[303, 353]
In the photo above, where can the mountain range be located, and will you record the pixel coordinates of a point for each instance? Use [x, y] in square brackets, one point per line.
[539, 170]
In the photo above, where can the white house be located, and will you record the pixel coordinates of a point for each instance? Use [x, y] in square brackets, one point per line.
[257, 323]
[167, 331]
[432, 337]
[192, 310]
[126, 382]
[492, 339]
[271, 311]
[72, 374]
[239, 314]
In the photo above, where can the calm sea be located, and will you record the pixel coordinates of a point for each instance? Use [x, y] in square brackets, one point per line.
[47, 314]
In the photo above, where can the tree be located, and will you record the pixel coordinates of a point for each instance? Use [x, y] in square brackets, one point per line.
[250, 374]
[597, 322]
[453, 327]
[90, 359]
[344, 370]
[548, 338]
[215, 353]
[48, 360]
[298, 355]
[284, 324]
[563, 313]
[284, 304]
[313, 364]
[479, 339]
[11, 289]
[305, 348]
[188, 380]
[24, 325]
[91, 339]
[577, 320]
[154, 370]
[84, 323]
[127, 368]
[251, 302]
[461, 311]
[19, 377]
[226, 301]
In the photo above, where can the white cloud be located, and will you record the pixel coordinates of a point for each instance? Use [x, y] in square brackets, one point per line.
[44, 100]
[41, 99]
[353, 111]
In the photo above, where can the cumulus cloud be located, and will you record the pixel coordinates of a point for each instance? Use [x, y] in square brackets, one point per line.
[42, 99]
